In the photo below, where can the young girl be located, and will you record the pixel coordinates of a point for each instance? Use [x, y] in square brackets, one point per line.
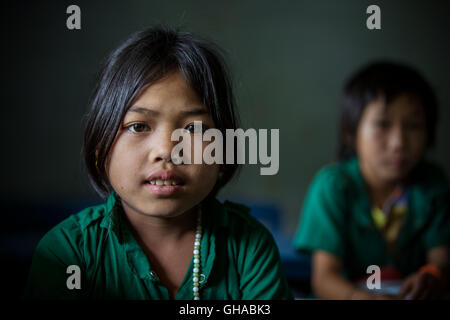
[383, 205]
[161, 234]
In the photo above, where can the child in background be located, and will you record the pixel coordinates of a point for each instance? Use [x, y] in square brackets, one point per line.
[383, 203]
[161, 233]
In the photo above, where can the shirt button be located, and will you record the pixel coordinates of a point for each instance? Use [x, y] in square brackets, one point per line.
[153, 274]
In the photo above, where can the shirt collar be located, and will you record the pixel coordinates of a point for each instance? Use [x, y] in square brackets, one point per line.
[214, 217]
[362, 201]
[111, 219]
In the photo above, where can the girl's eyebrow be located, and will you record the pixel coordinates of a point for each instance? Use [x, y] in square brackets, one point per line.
[142, 110]
[189, 112]
[199, 111]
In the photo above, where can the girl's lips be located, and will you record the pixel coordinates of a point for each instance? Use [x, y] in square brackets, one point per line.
[397, 163]
[165, 175]
[162, 190]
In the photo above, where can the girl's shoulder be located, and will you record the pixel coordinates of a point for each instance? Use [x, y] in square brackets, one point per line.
[74, 228]
[235, 226]
[238, 219]
[430, 179]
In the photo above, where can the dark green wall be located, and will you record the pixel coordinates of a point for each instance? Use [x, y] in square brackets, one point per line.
[289, 60]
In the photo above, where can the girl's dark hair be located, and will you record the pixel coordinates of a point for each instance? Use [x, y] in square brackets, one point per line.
[388, 80]
[146, 57]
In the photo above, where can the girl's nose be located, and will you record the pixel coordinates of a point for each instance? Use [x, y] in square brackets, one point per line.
[398, 138]
[161, 146]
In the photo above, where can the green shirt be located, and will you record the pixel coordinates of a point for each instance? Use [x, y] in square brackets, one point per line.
[336, 218]
[239, 258]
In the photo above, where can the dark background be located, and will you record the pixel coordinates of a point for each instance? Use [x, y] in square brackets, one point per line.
[289, 60]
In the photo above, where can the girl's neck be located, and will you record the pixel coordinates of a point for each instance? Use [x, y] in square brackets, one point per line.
[168, 244]
[158, 229]
[379, 190]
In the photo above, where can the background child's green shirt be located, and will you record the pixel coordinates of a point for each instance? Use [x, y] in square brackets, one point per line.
[239, 258]
[336, 218]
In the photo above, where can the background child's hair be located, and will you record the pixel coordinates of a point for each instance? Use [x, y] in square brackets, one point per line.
[146, 57]
[387, 80]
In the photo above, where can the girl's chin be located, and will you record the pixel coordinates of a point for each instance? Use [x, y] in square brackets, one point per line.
[163, 211]
[395, 176]
[157, 208]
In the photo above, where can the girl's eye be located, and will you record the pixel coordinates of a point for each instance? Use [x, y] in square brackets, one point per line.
[138, 127]
[199, 128]
[382, 124]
